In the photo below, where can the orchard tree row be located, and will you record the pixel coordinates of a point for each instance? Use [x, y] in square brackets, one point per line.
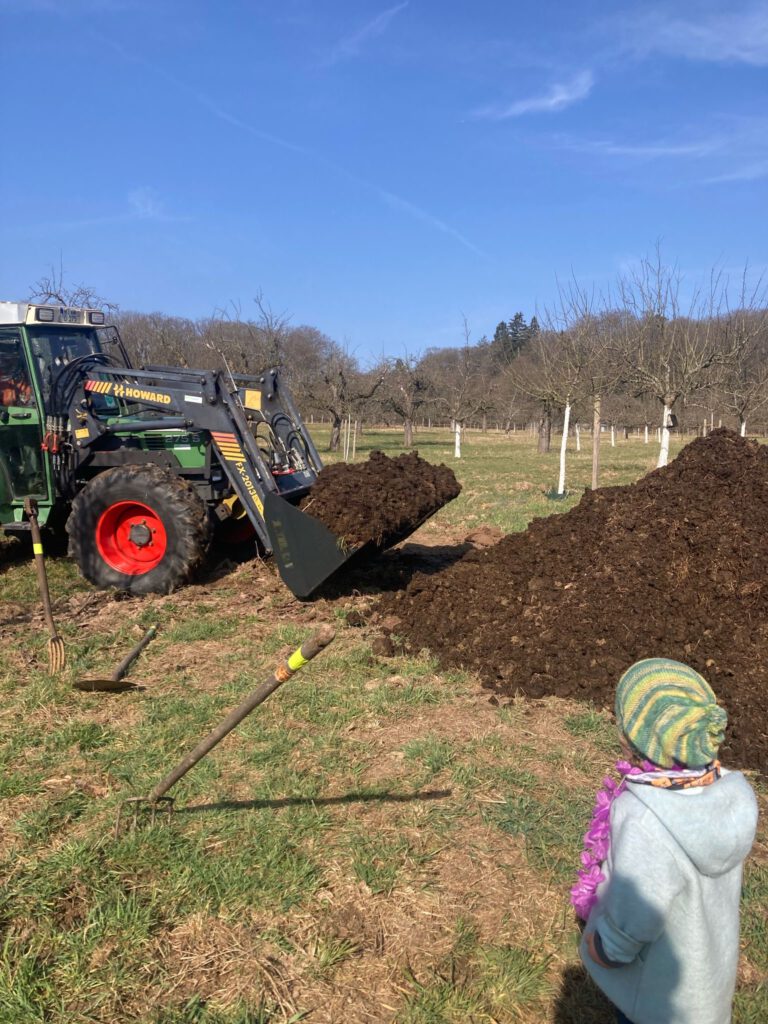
[646, 356]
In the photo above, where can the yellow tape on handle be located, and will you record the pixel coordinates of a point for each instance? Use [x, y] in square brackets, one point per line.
[296, 661]
[37, 549]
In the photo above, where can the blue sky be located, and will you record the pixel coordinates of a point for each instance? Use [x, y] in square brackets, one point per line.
[378, 169]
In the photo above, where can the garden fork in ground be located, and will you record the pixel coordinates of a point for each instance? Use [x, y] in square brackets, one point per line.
[157, 801]
[57, 656]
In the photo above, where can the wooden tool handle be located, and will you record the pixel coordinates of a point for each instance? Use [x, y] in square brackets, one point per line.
[133, 654]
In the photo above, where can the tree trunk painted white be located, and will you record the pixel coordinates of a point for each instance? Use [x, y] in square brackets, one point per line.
[596, 416]
[613, 436]
[704, 427]
[354, 440]
[645, 439]
[563, 446]
[577, 432]
[743, 428]
[664, 446]
[456, 439]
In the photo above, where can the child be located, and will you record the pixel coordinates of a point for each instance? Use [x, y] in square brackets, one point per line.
[662, 906]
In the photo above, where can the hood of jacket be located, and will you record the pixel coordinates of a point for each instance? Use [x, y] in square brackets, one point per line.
[714, 825]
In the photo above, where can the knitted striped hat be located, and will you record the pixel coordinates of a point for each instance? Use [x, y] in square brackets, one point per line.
[669, 713]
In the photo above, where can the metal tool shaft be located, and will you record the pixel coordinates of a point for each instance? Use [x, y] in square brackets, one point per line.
[308, 650]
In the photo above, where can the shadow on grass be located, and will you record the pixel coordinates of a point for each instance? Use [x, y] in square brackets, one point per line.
[391, 570]
[580, 1001]
[13, 551]
[323, 801]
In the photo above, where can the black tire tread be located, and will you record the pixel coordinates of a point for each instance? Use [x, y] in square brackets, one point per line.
[188, 522]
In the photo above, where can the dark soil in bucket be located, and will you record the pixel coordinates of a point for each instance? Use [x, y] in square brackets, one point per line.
[381, 500]
[675, 565]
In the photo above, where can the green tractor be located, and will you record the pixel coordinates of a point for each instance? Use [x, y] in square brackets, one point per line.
[143, 463]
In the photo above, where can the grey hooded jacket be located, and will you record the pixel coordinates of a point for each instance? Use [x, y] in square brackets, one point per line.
[668, 911]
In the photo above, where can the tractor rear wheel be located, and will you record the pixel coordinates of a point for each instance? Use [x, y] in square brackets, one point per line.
[138, 528]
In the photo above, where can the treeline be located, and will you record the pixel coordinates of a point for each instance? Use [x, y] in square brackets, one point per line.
[635, 358]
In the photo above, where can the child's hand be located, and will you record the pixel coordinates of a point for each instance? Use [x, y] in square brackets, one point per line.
[595, 947]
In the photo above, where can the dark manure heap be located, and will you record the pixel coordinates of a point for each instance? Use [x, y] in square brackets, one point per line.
[380, 500]
[675, 565]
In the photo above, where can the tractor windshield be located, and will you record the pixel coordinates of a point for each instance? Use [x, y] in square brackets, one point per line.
[55, 347]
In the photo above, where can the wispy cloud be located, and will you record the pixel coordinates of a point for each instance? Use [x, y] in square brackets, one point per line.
[351, 45]
[733, 150]
[736, 35]
[749, 172]
[557, 97]
[145, 204]
[653, 150]
[141, 204]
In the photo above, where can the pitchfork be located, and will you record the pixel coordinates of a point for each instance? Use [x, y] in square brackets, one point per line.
[157, 800]
[57, 656]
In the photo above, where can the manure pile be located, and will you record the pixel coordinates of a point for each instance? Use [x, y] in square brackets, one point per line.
[379, 500]
[675, 565]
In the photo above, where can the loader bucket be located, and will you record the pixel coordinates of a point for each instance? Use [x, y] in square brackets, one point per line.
[306, 552]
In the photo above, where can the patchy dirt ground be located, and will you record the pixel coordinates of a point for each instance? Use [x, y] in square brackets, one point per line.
[675, 565]
[380, 500]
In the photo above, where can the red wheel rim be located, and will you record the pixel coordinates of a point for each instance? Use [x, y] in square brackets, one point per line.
[131, 538]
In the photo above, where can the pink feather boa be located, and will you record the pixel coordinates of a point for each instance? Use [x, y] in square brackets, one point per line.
[597, 839]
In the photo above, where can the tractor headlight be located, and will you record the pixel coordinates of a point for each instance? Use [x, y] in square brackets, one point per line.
[45, 314]
[95, 318]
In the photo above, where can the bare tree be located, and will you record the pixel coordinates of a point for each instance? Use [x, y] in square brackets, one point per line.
[167, 340]
[667, 353]
[744, 381]
[52, 288]
[340, 388]
[406, 391]
[454, 373]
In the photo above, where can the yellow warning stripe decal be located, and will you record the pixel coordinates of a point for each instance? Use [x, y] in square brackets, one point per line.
[228, 446]
[101, 387]
[296, 661]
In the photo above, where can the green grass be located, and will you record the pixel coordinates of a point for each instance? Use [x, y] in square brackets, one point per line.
[475, 982]
[318, 841]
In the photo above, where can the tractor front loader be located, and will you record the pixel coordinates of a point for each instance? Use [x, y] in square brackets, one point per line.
[144, 463]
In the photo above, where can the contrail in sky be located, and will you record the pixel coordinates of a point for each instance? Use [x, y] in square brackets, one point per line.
[392, 200]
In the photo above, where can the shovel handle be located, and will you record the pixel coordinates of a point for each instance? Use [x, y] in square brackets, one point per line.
[42, 577]
[308, 650]
[133, 654]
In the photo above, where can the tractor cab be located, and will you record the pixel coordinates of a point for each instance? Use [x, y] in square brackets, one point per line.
[41, 349]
